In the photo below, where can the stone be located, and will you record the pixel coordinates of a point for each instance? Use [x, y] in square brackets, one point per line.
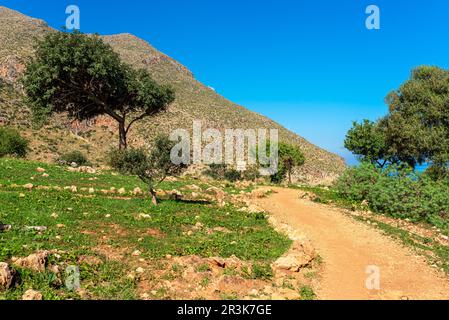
[36, 261]
[291, 262]
[40, 170]
[21, 195]
[5, 227]
[137, 191]
[87, 169]
[218, 262]
[6, 276]
[36, 228]
[136, 253]
[193, 187]
[45, 175]
[143, 216]
[28, 186]
[253, 292]
[176, 194]
[140, 270]
[32, 295]
[254, 209]
[121, 191]
[91, 190]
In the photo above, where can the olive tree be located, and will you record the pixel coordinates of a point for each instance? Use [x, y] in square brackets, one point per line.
[151, 167]
[82, 76]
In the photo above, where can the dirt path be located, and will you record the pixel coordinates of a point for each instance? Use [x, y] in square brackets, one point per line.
[348, 247]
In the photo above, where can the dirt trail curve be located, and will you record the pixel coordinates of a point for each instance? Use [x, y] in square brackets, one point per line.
[348, 247]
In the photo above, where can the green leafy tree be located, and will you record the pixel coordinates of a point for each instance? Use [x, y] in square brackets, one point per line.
[82, 76]
[367, 141]
[290, 156]
[417, 126]
[152, 168]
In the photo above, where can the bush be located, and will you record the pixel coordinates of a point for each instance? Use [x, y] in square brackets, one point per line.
[126, 161]
[11, 143]
[251, 174]
[232, 175]
[356, 182]
[74, 157]
[216, 171]
[397, 191]
[221, 172]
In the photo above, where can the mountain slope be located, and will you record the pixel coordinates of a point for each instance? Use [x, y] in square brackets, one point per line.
[194, 101]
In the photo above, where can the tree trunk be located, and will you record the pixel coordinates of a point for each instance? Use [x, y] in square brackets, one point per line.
[290, 176]
[153, 196]
[123, 144]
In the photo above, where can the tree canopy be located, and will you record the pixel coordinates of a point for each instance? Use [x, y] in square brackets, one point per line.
[367, 141]
[290, 156]
[81, 75]
[416, 129]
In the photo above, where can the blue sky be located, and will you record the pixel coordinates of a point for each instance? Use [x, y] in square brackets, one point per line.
[311, 65]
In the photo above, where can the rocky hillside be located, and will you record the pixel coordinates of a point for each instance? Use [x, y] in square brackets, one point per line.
[18, 34]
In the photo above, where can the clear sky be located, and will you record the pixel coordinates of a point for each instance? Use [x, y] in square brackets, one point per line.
[311, 65]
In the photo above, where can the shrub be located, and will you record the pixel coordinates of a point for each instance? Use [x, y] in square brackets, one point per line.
[126, 161]
[251, 174]
[11, 143]
[216, 171]
[152, 168]
[356, 182]
[397, 191]
[232, 175]
[74, 157]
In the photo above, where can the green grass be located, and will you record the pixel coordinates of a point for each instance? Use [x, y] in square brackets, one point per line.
[307, 293]
[89, 218]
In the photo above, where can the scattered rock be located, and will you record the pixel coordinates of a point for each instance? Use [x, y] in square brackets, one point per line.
[121, 191]
[28, 186]
[36, 261]
[5, 227]
[137, 191]
[136, 253]
[54, 215]
[40, 170]
[176, 194]
[21, 195]
[87, 169]
[193, 187]
[140, 270]
[45, 175]
[36, 228]
[60, 225]
[220, 262]
[143, 216]
[6, 276]
[32, 295]
[293, 261]
[253, 292]
[91, 190]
